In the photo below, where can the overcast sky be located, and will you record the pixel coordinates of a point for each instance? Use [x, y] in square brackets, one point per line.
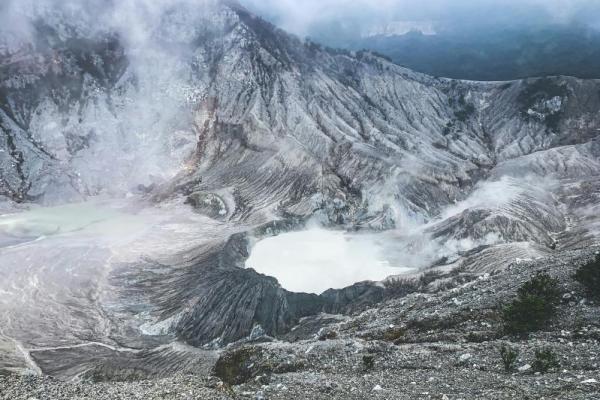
[303, 17]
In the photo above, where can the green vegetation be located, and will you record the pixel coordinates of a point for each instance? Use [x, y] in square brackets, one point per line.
[509, 357]
[534, 306]
[545, 360]
[589, 276]
[537, 92]
[463, 109]
[448, 128]
[327, 335]
[240, 365]
[368, 362]
[540, 89]
[465, 113]
[400, 287]
[361, 54]
[394, 334]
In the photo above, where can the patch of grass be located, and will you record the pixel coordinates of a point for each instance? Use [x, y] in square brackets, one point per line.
[400, 287]
[509, 356]
[368, 362]
[434, 323]
[534, 306]
[589, 276]
[394, 334]
[476, 337]
[545, 360]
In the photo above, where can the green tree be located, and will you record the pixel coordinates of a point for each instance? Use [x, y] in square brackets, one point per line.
[589, 276]
[534, 306]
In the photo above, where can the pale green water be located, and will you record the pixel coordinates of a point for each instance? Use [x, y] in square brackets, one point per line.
[86, 218]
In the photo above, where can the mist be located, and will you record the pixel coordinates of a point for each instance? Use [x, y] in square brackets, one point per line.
[138, 128]
[315, 18]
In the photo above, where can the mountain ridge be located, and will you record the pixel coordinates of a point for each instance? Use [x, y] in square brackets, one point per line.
[261, 132]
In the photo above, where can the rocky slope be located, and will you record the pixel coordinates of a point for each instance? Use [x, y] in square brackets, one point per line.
[441, 342]
[205, 103]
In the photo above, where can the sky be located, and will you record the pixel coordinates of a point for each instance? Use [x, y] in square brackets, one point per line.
[308, 17]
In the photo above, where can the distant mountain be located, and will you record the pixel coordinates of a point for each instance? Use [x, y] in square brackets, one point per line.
[400, 28]
[495, 54]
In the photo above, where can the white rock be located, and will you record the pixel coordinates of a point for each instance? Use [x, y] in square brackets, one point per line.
[590, 381]
[377, 388]
[524, 368]
[257, 332]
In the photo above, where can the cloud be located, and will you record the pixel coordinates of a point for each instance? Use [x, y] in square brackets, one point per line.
[305, 17]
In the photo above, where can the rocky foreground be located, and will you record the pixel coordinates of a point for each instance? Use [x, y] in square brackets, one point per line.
[441, 342]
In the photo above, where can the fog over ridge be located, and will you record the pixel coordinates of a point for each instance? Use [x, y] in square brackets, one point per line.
[309, 17]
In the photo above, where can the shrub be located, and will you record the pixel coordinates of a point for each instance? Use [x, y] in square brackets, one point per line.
[534, 306]
[509, 357]
[394, 334]
[399, 287]
[589, 276]
[368, 362]
[476, 337]
[448, 128]
[240, 365]
[464, 113]
[541, 90]
[545, 360]
[326, 334]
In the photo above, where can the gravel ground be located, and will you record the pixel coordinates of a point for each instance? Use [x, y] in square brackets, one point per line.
[14, 387]
[439, 344]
